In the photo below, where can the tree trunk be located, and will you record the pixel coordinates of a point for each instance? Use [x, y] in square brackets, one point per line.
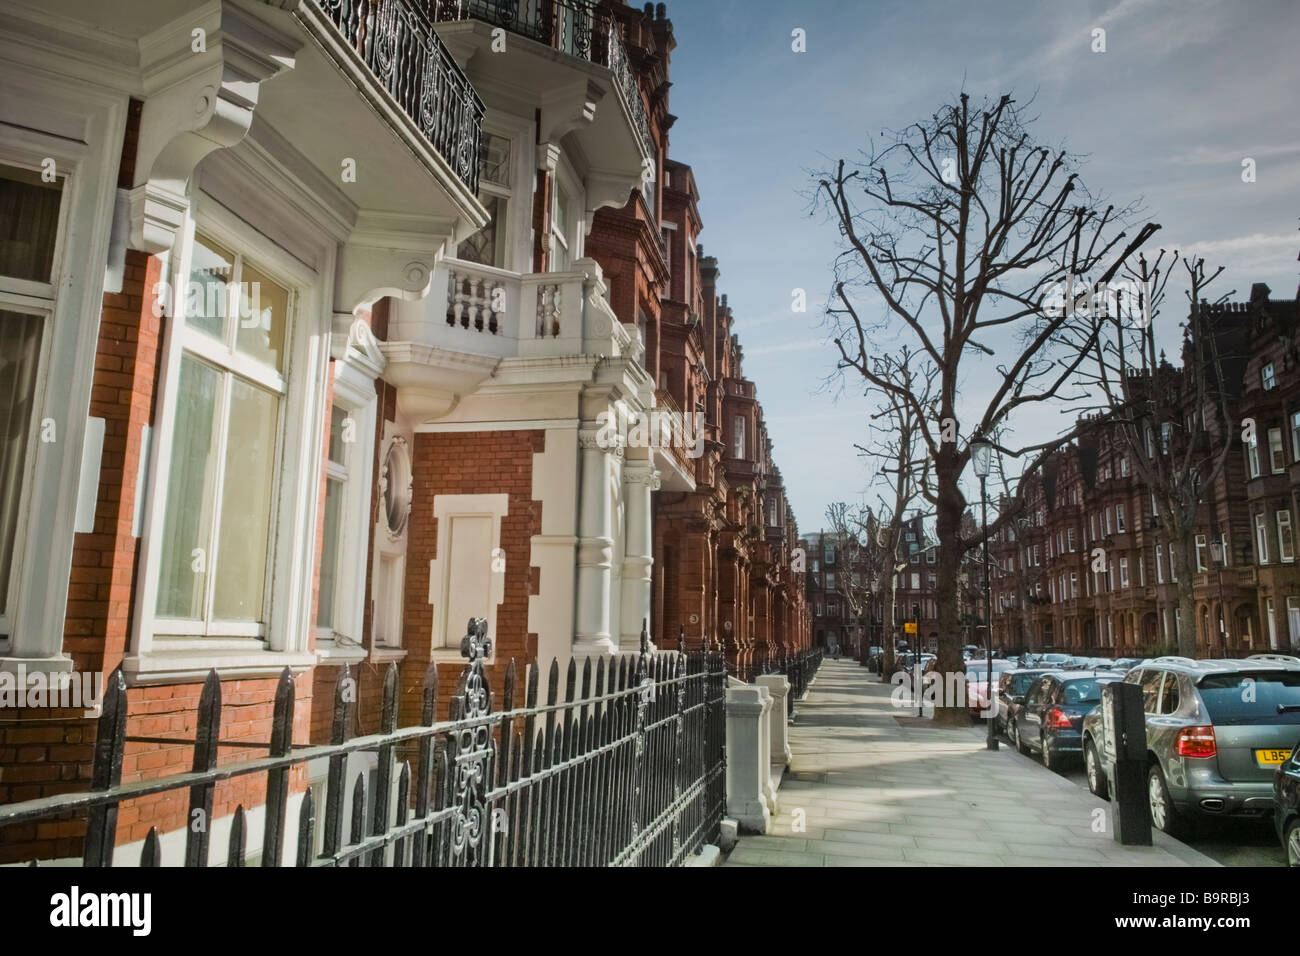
[951, 506]
[1185, 569]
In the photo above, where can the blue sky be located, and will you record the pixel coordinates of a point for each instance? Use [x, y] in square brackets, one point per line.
[1185, 90]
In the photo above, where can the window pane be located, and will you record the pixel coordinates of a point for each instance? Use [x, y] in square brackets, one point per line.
[212, 268]
[329, 559]
[29, 223]
[191, 486]
[20, 353]
[494, 162]
[246, 503]
[486, 247]
[263, 313]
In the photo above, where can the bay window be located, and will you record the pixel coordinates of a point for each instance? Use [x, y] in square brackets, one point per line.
[1276, 455]
[222, 472]
[29, 209]
[1285, 541]
[1261, 539]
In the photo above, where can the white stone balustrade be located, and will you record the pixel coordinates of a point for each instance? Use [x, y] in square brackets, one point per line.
[482, 310]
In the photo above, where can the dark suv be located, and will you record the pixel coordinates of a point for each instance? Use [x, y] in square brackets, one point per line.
[1217, 730]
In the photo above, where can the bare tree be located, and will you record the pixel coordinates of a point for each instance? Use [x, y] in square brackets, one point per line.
[955, 231]
[1174, 424]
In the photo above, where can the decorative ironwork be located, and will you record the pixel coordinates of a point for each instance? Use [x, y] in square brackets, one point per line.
[579, 28]
[627, 769]
[397, 42]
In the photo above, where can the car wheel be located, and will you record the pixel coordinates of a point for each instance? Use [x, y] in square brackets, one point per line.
[1293, 843]
[1164, 815]
[1045, 752]
[1096, 776]
[1015, 739]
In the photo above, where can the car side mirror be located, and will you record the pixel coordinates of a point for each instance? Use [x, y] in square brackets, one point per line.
[1017, 698]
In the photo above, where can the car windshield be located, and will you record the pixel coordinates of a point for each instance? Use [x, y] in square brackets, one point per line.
[1252, 697]
[1085, 691]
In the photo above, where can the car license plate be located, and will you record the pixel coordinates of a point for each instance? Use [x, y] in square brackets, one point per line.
[1271, 758]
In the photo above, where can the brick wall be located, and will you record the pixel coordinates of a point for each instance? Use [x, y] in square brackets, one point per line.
[461, 463]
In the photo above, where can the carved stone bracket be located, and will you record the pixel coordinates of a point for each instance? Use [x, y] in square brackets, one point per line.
[195, 102]
[390, 255]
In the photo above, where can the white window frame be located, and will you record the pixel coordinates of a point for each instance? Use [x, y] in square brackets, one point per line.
[1201, 544]
[1160, 564]
[160, 654]
[72, 301]
[1261, 538]
[1276, 451]
[1120, 524]
[355, 371]
[1285, 531]
[1252, 457]
[1267, 378]
[739, 440]
[1295, 436]
[1123, 571]
[572, 241]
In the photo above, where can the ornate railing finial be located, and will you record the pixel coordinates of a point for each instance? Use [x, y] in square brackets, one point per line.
[476, 645]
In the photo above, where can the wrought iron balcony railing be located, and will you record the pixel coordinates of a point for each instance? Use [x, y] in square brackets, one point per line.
[397, 41]
[577, 27]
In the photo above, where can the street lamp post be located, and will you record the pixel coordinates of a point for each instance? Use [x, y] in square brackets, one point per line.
[981, 453]
[1218, 556]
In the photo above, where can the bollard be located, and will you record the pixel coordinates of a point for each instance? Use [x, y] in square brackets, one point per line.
[1125, 742]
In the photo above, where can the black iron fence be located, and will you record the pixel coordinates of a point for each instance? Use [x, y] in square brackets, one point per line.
[626, 768]
[798, 669]
[397, 41]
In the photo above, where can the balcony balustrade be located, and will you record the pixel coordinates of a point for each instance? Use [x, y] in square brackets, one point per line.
[397, 41]
[480, 310]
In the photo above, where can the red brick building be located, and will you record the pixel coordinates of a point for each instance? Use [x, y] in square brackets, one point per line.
[303, 369]
[1052, 592]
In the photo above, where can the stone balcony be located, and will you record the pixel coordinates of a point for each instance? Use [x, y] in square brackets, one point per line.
[476, 317]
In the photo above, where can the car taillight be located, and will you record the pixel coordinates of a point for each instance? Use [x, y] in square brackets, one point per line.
[1196, 742]
[1057, 718]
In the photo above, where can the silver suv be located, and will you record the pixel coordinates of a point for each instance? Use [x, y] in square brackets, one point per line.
[1217, 730]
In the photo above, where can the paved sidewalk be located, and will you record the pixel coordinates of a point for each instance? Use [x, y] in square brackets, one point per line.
[875, 791]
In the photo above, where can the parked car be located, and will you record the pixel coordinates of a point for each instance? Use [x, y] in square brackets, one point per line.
[1286, 806]
[1043, 660]
[1012, 686]
[1217, 731]
[875, 658]
[1128, 663]
[1049, 722]
[1275, 658]
[977, 684]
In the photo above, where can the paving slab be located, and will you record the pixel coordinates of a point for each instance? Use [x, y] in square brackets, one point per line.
[866, 788]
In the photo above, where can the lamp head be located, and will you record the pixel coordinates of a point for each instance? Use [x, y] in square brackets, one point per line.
[981, 455]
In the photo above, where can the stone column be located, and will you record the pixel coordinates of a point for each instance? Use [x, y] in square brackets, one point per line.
[595, 551]
[640, 480]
